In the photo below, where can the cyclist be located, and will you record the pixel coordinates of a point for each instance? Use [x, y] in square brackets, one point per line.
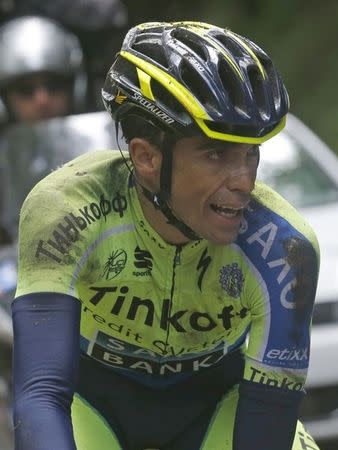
[42, 70]
[165, 299]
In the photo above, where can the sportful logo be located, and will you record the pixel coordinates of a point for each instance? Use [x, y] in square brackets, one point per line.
[232, 279]
[115, 264]
[143, 260]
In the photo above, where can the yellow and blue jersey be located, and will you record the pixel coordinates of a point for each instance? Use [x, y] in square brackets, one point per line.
[160, 312]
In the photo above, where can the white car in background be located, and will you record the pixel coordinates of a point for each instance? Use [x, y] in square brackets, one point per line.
[305, 171]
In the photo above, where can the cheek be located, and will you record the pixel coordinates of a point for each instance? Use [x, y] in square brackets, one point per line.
[254, 172]
[21, 108]
[185, 179]
[61, 103]
[192, 187]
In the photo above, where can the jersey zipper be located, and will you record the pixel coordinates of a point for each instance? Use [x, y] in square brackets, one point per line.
[176, 262]
[177, 257]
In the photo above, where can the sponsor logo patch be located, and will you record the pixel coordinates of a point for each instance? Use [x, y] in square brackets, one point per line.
[115, 264]
[120, 98]
[231, 279]
[144, 261]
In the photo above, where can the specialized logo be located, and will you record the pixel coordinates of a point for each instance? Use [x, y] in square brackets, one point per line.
[202, 265]
[143, 260]
[196, 64]
[120, 98]
[232, 279]
[153, 108]
[115, 264]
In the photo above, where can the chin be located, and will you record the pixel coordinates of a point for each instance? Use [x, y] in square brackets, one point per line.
[222, 238]
[221, 242]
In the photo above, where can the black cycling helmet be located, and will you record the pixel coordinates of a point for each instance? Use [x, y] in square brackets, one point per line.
[192, 78]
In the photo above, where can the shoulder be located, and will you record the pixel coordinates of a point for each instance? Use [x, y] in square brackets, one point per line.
[65, 213]
[270, 209]
[78, 194]
[275, 235]
[85, 174]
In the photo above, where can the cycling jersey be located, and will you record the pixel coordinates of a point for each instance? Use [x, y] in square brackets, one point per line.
[159, 312]
[150, 308]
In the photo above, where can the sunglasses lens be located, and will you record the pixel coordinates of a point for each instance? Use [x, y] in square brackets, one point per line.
[24, 89]
[53, 85]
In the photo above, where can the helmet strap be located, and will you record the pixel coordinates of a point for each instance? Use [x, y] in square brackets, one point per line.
[160, 199]
[156, 199]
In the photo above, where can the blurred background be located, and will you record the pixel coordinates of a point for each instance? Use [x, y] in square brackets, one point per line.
[299, 35]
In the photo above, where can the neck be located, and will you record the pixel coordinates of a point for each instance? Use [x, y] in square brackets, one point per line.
[158, 221]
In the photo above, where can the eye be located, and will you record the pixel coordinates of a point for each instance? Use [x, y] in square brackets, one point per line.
[253, 151]
[216, 154]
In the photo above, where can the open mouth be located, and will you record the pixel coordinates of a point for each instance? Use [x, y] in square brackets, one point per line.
[227, 212]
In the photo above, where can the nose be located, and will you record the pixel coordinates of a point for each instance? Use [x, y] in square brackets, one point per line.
[242, 178]
[41, 95]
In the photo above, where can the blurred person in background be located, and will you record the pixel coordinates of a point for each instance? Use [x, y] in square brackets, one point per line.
[98, 24]
[42, 71]
[85, 14]
[42, 76]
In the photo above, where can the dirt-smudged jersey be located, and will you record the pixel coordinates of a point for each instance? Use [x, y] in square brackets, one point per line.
[160, 311]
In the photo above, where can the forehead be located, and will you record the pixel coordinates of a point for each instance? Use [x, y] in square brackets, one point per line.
[206, 143]
[35, 78]
[202, 143]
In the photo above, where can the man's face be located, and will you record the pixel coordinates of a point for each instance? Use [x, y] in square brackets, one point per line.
[211, 185]
[38, 97]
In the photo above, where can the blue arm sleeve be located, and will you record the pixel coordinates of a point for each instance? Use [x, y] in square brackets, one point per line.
[45, 362]
[266, 417]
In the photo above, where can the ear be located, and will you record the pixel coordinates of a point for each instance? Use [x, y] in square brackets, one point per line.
[146, 158]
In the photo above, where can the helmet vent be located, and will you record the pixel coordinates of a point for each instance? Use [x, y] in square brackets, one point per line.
[231, 86]
[229, 44]
[258, 92]
[153, 51]
[271, 75]
[127, 71]
[274, 79]
[197, 85]
[167, 101]
[154, 30]
[190, 43]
